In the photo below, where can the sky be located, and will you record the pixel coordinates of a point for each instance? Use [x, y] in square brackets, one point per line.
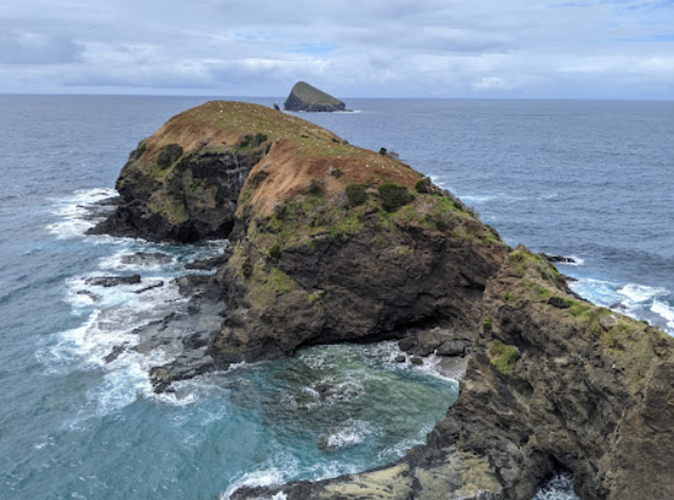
[614, 49]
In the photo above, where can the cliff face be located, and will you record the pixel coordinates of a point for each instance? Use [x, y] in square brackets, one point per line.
[335, 243]
[553, 383]
[183, 183]
[304, 97]
[332, 243]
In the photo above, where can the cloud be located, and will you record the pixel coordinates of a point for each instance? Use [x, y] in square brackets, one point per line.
[522, 48]
[36, 48]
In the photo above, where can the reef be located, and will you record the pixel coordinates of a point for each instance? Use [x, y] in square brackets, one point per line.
[333, 243]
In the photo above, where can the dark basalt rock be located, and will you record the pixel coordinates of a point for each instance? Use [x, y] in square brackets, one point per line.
[214, 180]
[556, 259]
[110, 281]
[588, 391]
[443, 342]
[304, 97]
[158, 284]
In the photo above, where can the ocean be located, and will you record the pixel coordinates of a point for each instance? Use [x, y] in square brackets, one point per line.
[589, 180]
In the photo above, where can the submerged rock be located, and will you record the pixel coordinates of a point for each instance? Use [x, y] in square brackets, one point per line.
[110, 281]
[304, 97]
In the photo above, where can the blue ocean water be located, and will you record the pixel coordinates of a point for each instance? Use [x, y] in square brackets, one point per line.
[578, 178]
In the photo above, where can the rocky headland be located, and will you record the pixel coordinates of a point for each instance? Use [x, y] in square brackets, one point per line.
[332, 243]
[305, 97]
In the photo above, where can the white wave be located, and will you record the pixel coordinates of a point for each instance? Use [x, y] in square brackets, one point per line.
[433, 366]
[123, 260]
[111, 327]
[641, 293]
[641, 302]
[268, 476]
[353, 432]
[387, 352]
[73, 212]
[600, 292]
[559, 487]
[80, 293]
[665, 311]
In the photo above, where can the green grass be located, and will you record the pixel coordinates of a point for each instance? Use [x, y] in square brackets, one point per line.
[309, 93]
[503, 356]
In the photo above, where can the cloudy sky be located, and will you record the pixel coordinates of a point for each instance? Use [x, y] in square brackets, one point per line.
[350, 48]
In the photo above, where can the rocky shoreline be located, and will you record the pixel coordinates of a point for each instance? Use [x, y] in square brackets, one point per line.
[331, 243]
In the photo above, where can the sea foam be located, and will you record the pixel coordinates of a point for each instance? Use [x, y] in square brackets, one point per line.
[75, 214]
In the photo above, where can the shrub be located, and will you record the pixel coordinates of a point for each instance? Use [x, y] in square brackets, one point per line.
[383, 151]
[274, 253]
[250, 141]
[356, 194]
[257, 179]
[316, 187]
[169, 155]
[423, 186]
[247, 268]
[394, 196]
[335, 172]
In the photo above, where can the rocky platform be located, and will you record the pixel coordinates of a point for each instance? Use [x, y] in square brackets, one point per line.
[333, 243]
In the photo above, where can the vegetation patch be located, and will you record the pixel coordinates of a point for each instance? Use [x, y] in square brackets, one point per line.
[356, 194]
[503, 356]
[140, 149]
[249, 142]
[266, 284]
[424, 186]
[523, 261]
[274, 252]
[169, 155]
[316, 187]
[393, 197]
[257, 178]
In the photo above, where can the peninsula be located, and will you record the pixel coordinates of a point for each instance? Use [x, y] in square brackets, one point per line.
[330, 243]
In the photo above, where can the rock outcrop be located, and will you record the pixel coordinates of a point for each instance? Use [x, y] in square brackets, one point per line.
[554, 383]
[304, 97]
[182, 184]
[333, 243]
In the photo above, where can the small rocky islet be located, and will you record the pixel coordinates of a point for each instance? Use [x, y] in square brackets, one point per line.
[306, 97]
[333, 243]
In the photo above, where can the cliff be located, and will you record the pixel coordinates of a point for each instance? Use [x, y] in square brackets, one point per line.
[304, 97]
[333, 243]
[554, 383]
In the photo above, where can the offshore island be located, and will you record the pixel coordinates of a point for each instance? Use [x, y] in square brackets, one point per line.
[332, 243]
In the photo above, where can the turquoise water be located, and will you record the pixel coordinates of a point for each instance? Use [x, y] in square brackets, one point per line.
[587, 179]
